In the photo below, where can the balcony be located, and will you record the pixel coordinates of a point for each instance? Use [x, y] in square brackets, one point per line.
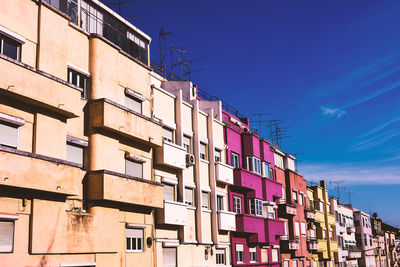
[174, 213]
[226, 221]
[35, 172]
[171, 155]
[331, 219]
[319, 216]
[224, 173]
[274, 229]
[253, 225]
[39, 89]
[312, 245]
[108, 115]
[248, 180]
[291, 244]
[286, 209]
[117, 187]
[334, 246]
[309, 214]
[354, 253]
[351, 229]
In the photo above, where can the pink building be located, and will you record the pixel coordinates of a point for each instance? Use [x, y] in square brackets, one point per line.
[253, 196]
[364, 238]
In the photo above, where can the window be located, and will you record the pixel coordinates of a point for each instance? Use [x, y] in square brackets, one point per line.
[270, 212]
[275, 256]
[10, 47]
[253, 164]
[286, 263]
[267, 170]
[8, 135]
[294, 196]
[133, 168]
[323, 234]
[235, 160]
[256, 207]
[134, 240]
[264, 254]
[303, 229]
[133, 104]
[294, 263]
[74, 153]
[6, 236]
[91, 19]
[205, 200]
[220, 202]
[253, 254]
[168, 135]
[239, 253]
[297, 228]
[217, 155]
[69, 8]
[187, 144]
[300, 199]
[79, 80]
[237, 205]
[330, 234]
[203, 151]
[189, 196]
[365, 240]
[169, 192]
[169, 257]
[220, 256]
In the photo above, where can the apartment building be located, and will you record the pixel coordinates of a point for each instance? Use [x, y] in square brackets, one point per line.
[253, 196]
[348, 253]
[312, 237]
[391, 234]
[364, 238]
[76, 137]
[193, 227]
[325, 226]
[292, 209]
[378, 243]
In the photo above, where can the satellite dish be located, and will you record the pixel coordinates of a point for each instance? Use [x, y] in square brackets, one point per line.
[375, 214]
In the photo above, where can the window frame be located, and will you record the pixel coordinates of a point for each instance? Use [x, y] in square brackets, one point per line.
[7, 124]
[217, 155]
[171, 186]
[220, 202]
[166, 139]
[256, 207]
[254, 164]
[219, 252]
[203, 156]
[239, 253]
[237, 203]
[203, 193]
[189, 203]
[235, 160]
[252, 254]
[133, 161]
[187, 146]
[79, 74]
[10, 41]
[141, 240]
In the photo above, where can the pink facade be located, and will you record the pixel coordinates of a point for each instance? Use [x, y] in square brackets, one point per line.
[253, 197]
[364, 238]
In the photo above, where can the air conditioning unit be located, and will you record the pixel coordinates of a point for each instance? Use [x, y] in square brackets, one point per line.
[190, 160]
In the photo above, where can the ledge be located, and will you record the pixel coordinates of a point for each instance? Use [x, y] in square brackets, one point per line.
[125, 176]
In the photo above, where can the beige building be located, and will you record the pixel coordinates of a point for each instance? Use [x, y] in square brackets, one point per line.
[193, 228]
[104, 162]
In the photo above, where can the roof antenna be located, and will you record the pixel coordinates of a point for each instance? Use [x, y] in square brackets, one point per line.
[119, 3]
[161, 36]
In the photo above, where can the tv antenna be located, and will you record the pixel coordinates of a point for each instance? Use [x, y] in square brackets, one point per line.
[337, 183]
[161, 37]
[119, 3]
[259, 120]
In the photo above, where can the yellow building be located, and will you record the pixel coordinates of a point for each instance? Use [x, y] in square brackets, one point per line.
[323, 226]
[104, 162]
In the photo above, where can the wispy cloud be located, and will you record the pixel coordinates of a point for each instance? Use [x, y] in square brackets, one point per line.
[351, 173]
[333, 112]
[375, 141]
[382, 126]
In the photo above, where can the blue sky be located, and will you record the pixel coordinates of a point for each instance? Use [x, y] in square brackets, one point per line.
[330, 69]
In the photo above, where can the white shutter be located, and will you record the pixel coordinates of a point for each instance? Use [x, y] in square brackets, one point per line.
[167, 134]
[254, 249]
[133, 104]
[205, 199]
[6, 236]
[189, 195]
[303, 229]
[239, 247]
[294, 263]
[75, 153]
[134, 233]
[297, 228]
[274, 255]
[133, 169]
[203, 149]
[8, 135]
[169, 192]
[169, 257]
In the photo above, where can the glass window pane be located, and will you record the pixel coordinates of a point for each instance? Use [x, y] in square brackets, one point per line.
[10, 49]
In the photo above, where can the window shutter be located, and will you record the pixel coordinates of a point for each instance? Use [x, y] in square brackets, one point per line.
[133, 169]
[205, 200]
[297, 228]
[75, 153]
[8, 135]
[167, 134]
[134, 233]
[169, 192]
[6, 236]
[203, 149]
[264, 255]
[169, 257]
[133, 104]
[275, 257]
[239, 247]
[189, 195]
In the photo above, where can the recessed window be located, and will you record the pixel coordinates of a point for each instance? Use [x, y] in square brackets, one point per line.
[78, 79]
[69, 8]
[217, 155]
[6, 236]
[168, 134]
[301, 199]
[10, 47]
[294, 196]
[8, 135]
[239, 253]
[133, 104]
[220, 256]
[203, 151]
[237, 204]
[134, 240]
[303, 229]
[189, 196]
[266, 170]
[205, 200]
[253, 254]
[220, 202]
[253, 165]
[74, 153]
[169, 257]
[187, 144]
[169, 192]
[235, 160]
[297, 229]
[133, 168]
[256, 206]
[275, 256]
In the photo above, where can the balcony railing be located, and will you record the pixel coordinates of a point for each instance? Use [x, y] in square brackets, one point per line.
[224, 173]
[310, 214]
[292, 243]
[173, 213]
[354, 253]
[226, 221]
[286, 208]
